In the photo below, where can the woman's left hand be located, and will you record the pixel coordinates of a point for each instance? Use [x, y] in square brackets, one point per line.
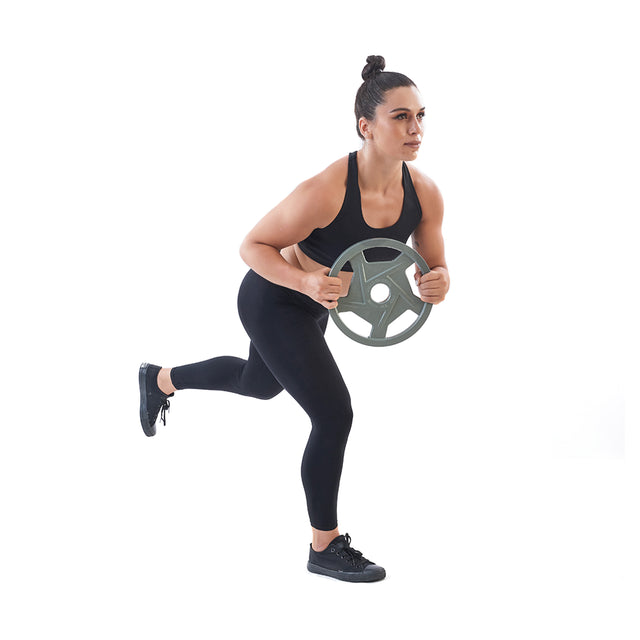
[433, 286]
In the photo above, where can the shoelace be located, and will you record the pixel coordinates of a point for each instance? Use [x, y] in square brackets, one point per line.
[163, 412]
[351, 555]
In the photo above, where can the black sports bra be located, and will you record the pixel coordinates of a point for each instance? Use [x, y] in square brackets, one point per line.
[348, 227]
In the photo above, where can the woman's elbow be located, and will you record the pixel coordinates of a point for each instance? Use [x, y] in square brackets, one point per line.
[252, 251]
[245, 249]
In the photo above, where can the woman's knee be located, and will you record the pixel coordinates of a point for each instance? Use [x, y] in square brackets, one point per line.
[334, 418]
[266, 392]
[262, 387]
[347, 415]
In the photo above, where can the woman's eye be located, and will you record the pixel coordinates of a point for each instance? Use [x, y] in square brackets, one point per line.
[403, 116]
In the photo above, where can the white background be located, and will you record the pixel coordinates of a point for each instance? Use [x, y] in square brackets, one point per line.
[493, 463]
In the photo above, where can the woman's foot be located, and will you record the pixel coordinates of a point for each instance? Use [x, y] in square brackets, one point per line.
[341, 561]
[152, 399]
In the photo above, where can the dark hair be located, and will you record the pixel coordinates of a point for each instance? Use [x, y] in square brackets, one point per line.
[372, 91]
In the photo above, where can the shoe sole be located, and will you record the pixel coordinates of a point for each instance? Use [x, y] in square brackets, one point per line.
[346, 576]
[149, 429]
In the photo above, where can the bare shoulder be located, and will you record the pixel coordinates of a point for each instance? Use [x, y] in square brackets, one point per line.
[314, 203]
[427, 192]
[330, 182]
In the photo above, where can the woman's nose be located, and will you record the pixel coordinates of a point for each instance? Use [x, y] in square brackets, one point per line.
[414, 126]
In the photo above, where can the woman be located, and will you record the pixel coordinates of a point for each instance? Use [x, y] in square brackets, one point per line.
[285, 297]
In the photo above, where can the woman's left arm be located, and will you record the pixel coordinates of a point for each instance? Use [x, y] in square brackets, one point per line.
[428, 241]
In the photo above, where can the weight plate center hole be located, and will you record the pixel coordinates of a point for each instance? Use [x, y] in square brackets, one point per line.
[380, 293]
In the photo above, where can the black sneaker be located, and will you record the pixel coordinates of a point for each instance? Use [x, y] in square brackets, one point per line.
[339, 560]
[152, 400]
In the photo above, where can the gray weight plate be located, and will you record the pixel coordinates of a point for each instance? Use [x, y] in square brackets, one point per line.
[367, 275]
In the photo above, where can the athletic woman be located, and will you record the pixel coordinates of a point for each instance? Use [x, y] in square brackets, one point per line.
[285, 297]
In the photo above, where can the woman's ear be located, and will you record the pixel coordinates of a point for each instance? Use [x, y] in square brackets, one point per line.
[365, 128]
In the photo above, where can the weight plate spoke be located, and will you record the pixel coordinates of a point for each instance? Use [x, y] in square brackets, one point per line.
[387, 316]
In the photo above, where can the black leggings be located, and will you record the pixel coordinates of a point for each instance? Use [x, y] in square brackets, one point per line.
[288, 350]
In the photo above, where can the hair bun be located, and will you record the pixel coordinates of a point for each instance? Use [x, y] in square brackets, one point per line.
[375, 64]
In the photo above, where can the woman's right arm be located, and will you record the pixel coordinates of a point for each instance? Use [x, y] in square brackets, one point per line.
[311, 205]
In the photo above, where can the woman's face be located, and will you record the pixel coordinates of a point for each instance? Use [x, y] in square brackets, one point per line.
[397, 128]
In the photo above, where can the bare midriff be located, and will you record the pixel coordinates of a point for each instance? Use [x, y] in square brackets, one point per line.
[297, 258]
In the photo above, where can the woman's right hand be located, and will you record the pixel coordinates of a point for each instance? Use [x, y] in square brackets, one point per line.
[321, 288]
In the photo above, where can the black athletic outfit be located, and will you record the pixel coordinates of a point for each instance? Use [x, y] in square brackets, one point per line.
[288, 349]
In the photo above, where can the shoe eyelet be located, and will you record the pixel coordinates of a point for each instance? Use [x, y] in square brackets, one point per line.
[333, 549]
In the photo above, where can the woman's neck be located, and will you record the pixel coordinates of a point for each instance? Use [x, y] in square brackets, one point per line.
[376, 172]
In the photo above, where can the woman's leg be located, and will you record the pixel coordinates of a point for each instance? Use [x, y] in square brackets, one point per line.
[249, 377]
[287, 330]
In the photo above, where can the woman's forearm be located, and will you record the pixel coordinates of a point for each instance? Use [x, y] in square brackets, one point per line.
[267, 262]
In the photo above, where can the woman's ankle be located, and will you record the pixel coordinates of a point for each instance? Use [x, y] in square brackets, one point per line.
[164, 382]
[321, 539]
